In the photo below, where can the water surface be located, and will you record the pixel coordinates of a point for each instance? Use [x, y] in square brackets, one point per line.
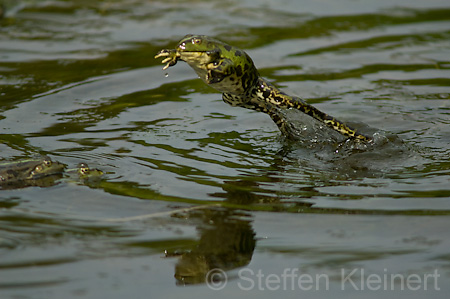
[219, 186]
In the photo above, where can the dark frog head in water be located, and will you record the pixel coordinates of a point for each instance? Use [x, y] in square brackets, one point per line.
[232, 72]
[40, 171]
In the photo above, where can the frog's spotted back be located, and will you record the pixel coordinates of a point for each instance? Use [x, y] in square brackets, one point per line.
[232, 72]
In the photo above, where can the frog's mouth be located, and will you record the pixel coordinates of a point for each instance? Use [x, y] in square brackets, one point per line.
[199, 57]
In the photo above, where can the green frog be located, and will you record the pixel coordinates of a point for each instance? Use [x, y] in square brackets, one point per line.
[41, 172]
[85, 172]
[232, 72]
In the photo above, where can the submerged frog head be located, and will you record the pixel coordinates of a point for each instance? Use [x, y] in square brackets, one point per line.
[84, 171]
[42, 167]
[29, 170]
[223, 67]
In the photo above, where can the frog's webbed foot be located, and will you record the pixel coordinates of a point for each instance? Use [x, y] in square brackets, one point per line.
[171, 57]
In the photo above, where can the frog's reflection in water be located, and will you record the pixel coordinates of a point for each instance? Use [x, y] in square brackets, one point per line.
[227, 241]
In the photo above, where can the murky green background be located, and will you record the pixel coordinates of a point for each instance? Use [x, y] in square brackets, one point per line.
[78, 82]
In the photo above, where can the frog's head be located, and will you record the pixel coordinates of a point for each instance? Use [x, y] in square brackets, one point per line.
[84, 171]
[44, 167]
[223, 67]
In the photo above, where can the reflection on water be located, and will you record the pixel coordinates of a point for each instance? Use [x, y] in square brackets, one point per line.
[226, 242]
[78, 83]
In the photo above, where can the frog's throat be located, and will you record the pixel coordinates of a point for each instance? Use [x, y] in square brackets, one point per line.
[199, 62]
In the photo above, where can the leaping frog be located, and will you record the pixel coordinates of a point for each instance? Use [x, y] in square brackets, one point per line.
[232, 72]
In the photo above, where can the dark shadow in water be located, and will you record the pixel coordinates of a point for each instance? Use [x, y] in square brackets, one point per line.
[227, 241]
[46, 181]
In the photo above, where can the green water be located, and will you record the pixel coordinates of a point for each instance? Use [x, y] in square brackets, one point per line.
[193, 184]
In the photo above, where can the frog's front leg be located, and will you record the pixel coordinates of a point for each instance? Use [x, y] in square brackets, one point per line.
[171, 57]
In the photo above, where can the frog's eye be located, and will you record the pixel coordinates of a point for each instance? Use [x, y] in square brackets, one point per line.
[38, 168]
[83, 168]
[196, 41]
[216, 63]
[47, 162]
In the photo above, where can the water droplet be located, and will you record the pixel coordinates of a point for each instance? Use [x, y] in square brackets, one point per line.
[166, 75]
